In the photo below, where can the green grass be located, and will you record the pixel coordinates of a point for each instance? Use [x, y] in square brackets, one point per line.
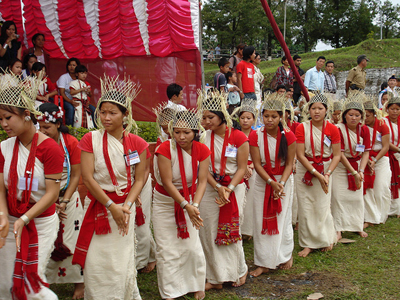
[382, 54]
[366, 269]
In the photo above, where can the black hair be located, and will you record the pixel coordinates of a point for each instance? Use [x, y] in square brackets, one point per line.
[321, 57]
[51, 108]
[384, 93]
[173, 89]
[240, 46]
[80, 69]
[241, 113]
[220, 115]
[26, 60]
[281, 86]
[4, 27]
[228, 75]
[71, 60]
[115, 96]
[13, 62]
[346, 111]
[35, 36]
[258, 54]
[384, 85]
[247, 52]
[288, 86]
[390, 104]
[296, 56]
[38, 66]
[283, 59]
[222, 62]
[329, 62]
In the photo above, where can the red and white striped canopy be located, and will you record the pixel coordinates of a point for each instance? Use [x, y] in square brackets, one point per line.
[91, 29]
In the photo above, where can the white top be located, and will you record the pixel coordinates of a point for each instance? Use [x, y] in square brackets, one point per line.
[63, 83]
[177, 107]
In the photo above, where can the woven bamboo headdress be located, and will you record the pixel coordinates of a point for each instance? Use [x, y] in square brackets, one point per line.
[354, 101]
[370, 103]
[318, 98]
[248, 105]
[164, 115]
[392, 100]
[214, 101]
[275, 102]
[20, 93]
[121, 92]
[338, 105]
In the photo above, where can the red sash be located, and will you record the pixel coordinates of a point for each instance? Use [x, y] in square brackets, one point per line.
[272, 207]
[369, 176]
[350, 178]
[394, 163]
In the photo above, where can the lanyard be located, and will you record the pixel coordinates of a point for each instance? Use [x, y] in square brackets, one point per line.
[223, 157]
[68, 162]
[275, 170]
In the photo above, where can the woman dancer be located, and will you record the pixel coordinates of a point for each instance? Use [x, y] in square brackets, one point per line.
[30, 173]
[179, 162]
[318, 153]
[347, 195]
[223, 201]
[273, 149]
[377, 176]
[114, 171]
[392, 108]
[69, 206]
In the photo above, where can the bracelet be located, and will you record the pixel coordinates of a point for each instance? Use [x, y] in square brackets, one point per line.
[231, 187]
[313, 171]
[217, 186]
[282, 182]
[184, 203]
[1, 213]
[373, 158]
[269, 181]
[354, 173]
[129, 203]
[329, 172]
[65, 201]
[109, 202]
[25, 219]
[361, 171]
[195, 204]
[5, 46]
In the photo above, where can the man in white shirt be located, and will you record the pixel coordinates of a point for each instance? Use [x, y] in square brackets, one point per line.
[314, 80]
[175, 96]
[391, 88]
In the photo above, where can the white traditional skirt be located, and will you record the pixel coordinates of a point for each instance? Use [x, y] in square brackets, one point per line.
[181, 265]
[47, 228]
[377, 200]
[272, 250]
[247, 222]
[146, 247]
[226, 262]
[110, 271]
[316, 226]
[295, 204]
[347, 205]
[63, 271]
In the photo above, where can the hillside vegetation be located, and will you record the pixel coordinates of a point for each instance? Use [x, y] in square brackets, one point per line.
[382, 54]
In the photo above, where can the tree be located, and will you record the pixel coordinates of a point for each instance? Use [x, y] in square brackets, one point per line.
[390, 19]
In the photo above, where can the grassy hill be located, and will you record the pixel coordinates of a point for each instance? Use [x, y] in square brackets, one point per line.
[382, 54]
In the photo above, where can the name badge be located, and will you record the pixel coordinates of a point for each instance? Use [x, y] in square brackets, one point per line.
[231, 151]
[327, 141]
[65, 163]
[22, 186]
[132, 158]
[379, 137]
[360, 148]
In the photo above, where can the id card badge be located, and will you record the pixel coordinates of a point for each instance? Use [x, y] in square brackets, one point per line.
[22, 186]
[65, 164]
[231, 151]
[327, 141]
[132, 158]
[379, 137]
[360, 148]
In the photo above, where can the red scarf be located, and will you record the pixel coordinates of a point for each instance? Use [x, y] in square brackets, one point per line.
[60, 251]
[354, 160]
[228, 221]
[272, 207]
[317, 161]
[394, 163]
[369, 176]
[25, 275]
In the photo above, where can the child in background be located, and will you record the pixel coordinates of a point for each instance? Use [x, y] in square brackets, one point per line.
[28, 62]
[219, 78]
[175, 96]
[233, 91]
[80, 91]
[15, 67]
[48, 89]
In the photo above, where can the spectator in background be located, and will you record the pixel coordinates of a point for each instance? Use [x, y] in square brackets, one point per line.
[217, 50]
[296, 85]
[48, 89]
[219, 78]
[37, 49]
[10, 48]
[175, 96]
[314, 80]
[284, 75]
[234, 92]
[258, 79]
[15, 68]
[357, 77]
[383, 98]
[27, 64]
[281, 89]
[330, 79]
[236, 58]
[245, 73]
[63, 87]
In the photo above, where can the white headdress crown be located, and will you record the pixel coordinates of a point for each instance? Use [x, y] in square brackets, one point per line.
[275, 102]
[214, 101]
[20, 93]
[354, 101]
[121, 92]
[247, 105]
[337, 105]
[318, 98]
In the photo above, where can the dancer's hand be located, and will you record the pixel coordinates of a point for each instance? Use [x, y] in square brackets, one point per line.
[194, 215]
[119, 215]
[60, 209]
[18, 226]
[323, 181]
[4, 227]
